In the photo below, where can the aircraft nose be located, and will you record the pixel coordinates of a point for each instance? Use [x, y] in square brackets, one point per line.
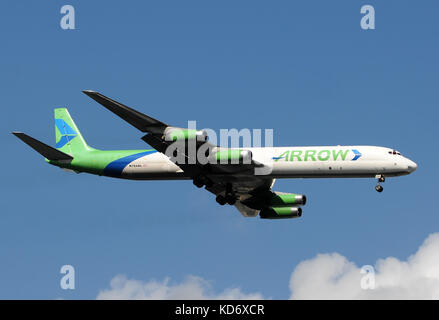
[411, 166]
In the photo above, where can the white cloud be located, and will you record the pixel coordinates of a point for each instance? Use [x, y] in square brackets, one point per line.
[191, 288]
[332, 276]
[326, 276]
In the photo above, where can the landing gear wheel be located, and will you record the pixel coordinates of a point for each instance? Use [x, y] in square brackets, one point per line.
[209, 183]
[230, 196]
[198, 183]
[221, 200]
[230, 200]
[381, 178]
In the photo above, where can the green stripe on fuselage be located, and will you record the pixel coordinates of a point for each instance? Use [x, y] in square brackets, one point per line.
[95, 161]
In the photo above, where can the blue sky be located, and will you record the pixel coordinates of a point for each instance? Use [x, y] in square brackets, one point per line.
[304, 68]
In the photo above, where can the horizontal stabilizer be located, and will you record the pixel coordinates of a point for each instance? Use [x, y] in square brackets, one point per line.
[137, 119]
[42, 148]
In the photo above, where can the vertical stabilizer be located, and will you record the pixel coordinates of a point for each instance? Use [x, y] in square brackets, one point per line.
[68, 138]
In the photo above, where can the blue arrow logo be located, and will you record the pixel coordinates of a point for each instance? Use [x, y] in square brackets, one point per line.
[67, 133]
[357, 154]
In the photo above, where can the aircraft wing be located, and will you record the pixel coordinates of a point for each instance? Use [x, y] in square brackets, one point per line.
[240, 176]
[156, 133]
[143, 122]
[137, 119]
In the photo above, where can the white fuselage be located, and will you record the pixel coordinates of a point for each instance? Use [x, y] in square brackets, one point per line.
[293, 162]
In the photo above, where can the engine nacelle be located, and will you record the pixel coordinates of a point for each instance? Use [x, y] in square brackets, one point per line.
[234, 156]
[287, 199]
[173, 134]
[280, 213]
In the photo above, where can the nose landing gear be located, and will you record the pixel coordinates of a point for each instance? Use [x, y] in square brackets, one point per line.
[381, 179]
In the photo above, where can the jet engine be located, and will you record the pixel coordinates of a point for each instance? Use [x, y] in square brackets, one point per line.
[172, 134]
[280, 213]
[277, 205]
[234, 156]
[283, 199]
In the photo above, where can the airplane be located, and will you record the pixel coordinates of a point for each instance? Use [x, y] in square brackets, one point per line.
[235, 175]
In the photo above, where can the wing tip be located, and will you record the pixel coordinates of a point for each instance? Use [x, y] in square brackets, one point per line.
[89, 92]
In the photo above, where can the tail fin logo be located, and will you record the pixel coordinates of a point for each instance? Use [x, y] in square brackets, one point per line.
[67, 133]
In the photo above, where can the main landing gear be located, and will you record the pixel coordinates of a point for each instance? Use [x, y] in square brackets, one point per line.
[381, 179]
[229, 197]
[200, 182]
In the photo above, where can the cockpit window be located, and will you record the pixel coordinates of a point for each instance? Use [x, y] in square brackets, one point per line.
[395, 152]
